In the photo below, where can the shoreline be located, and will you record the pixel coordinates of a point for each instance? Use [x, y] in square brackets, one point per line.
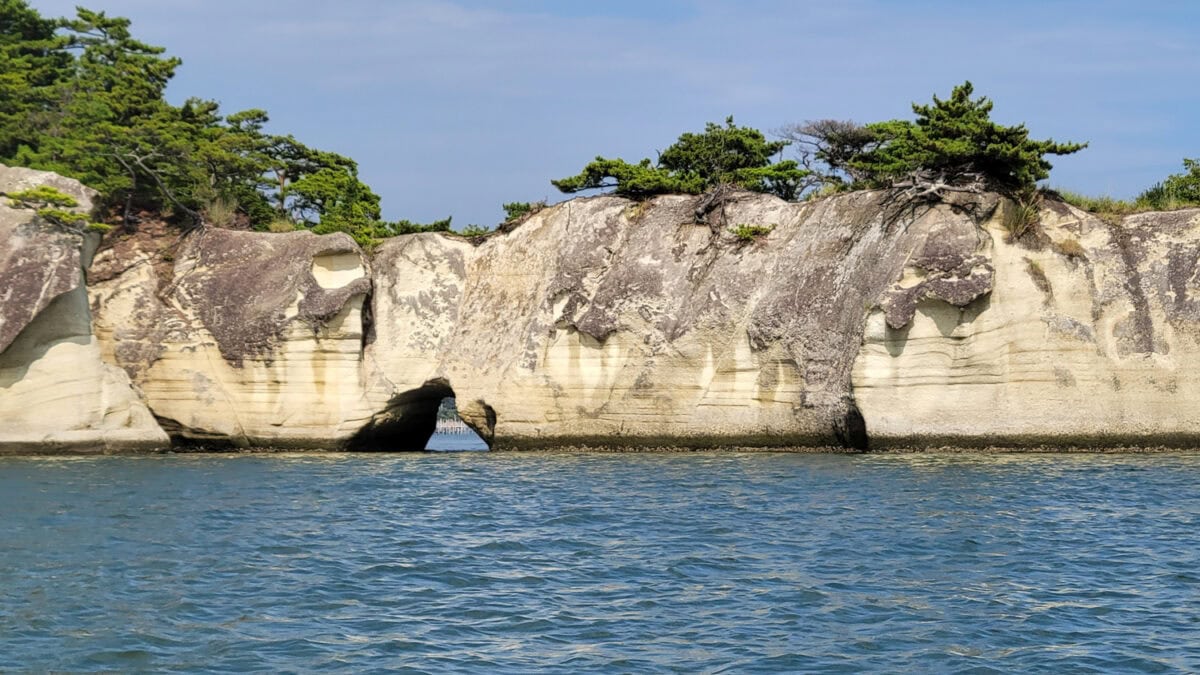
[622, 450]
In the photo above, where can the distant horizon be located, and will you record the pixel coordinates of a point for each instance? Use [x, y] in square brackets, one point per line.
[453, 108]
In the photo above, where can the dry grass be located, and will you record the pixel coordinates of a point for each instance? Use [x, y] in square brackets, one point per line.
[1071, 248]
[221, 211]
[634, 211]
[1023, 215]
[1039, 278]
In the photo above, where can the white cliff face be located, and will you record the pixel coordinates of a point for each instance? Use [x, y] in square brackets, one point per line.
[56, 392]
[605, 322]
[856, 321]
[1089, 338]
[257, 340]
[418, 284]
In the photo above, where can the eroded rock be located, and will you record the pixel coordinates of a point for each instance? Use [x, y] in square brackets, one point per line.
[257, 340]
[1089, 341]
[56, 392]
[607, 322]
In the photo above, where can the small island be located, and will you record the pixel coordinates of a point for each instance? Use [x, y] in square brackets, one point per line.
[175, 276]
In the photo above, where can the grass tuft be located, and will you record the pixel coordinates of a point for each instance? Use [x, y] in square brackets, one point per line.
[1024, 214]
[1071, 248]
[748, 233]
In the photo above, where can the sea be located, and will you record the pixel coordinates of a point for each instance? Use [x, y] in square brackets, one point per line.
[556, 562]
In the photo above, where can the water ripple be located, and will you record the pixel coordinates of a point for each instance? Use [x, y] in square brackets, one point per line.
[563, 563]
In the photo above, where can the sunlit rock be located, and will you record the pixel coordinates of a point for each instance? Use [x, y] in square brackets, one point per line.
[56, 393]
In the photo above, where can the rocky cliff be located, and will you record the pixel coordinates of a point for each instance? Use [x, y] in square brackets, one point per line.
[253, 340]
[56, 392]
[857, 321]
[1087, 336]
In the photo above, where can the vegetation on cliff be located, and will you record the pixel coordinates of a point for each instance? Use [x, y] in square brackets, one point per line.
[952, 140]
[84, 98]
[51, 206]
[1180, 189]
[730, 154]
[1177, 191]
[953, 144]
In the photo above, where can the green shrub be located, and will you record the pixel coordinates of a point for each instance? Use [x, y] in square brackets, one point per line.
[474, 230]
[409, 227]
[729, 154]
[1177, 191]
[517, 210]
[747, 232]
[51, 206]
[41, 196]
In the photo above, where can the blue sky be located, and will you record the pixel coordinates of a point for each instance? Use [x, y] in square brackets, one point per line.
[452, 107]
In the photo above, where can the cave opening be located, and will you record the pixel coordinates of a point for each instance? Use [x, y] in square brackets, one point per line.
[451, 433]
[425, 418]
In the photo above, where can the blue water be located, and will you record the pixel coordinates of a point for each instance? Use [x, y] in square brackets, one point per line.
[468, 442]
[501, 563]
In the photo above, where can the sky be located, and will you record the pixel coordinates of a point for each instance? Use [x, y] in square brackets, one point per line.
[453, 107]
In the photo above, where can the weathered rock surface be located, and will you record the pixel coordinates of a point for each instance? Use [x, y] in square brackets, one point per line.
[255, 340]
[1088, 337]
[604, 322]
[56, 393]
[857, 321]
[418, 282]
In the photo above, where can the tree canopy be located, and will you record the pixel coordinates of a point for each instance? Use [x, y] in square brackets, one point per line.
[956, 137]
[953, 139]
[84, 98]
[728, 154]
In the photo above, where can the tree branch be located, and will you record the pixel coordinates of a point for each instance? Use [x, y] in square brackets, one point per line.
[197, 219]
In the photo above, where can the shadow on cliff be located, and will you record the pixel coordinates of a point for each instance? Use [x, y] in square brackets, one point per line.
[408, 422]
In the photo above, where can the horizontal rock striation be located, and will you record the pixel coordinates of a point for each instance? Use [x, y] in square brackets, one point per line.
[857, 320]
[255, 340]
[1088, 337]
[607, 322]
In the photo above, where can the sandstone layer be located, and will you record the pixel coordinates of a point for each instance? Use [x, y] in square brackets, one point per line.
[255, 339]
[56, 393]
[607, 322]
[1088, 337]
[860, 320]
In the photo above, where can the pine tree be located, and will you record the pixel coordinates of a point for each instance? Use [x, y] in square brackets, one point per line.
[956, 139]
